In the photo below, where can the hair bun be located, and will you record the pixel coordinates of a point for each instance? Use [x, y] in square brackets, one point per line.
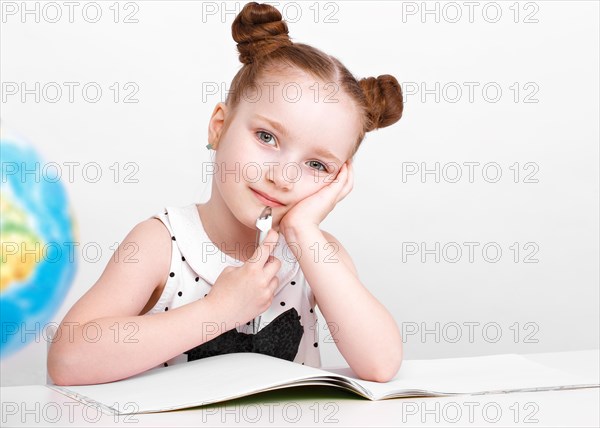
[384, 100]
[259, 30]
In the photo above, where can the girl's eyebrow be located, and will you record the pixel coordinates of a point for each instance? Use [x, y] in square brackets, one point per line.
[278, 126]
[321, 151]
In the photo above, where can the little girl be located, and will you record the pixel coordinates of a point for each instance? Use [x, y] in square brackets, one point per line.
[284, 138]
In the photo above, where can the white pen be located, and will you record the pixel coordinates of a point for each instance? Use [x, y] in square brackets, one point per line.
[263, 225]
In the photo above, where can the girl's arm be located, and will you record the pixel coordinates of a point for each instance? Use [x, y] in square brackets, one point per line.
[103, 338]
[364, 331]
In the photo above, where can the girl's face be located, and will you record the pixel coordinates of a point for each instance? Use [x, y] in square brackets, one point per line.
[287, 139]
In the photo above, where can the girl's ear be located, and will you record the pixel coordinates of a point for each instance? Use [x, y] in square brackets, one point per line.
[216, 125]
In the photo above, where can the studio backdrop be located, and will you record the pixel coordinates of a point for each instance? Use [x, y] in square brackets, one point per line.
[474, 219]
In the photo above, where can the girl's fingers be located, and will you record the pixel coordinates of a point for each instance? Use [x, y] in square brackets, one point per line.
[348, 183]
[344, 171]
[339, 177]
[342, 184]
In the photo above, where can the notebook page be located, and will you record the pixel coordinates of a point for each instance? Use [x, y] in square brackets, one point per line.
[471, 375]
[194, 383]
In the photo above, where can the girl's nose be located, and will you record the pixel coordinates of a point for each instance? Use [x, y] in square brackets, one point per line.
[283, 175]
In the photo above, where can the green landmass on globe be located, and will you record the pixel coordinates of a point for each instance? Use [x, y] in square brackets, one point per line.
[15, 234]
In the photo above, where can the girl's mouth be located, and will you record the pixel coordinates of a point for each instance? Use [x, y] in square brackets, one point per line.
[265, 200]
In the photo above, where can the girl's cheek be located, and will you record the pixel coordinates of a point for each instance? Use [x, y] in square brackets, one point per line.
[312, 178]
[322, 180]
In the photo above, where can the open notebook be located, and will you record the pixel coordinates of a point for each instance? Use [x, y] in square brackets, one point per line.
[228, 376]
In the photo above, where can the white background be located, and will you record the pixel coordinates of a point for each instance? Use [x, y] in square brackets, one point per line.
[175, 50]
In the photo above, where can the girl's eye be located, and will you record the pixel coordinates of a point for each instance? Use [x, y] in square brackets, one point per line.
[319, 163]
[265, 137]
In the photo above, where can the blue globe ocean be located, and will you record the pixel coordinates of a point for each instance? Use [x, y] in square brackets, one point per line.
[37, 235]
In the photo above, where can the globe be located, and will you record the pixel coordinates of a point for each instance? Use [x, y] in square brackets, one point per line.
[37, 238]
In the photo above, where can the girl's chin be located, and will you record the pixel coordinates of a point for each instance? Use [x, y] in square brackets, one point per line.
[250, 221]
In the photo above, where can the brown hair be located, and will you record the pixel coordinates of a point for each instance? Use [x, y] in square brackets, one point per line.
[264, 46]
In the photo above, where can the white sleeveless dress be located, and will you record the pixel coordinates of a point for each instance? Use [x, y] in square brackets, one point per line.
[196, 263]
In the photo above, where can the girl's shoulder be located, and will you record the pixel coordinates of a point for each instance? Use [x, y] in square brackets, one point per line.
[137, 268]
[158, 237]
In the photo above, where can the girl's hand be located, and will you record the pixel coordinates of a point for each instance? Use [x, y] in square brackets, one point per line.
[244, 292]
[311, 211]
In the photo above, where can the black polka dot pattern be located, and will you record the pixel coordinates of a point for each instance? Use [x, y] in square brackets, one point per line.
[172, 274]
[180, 294]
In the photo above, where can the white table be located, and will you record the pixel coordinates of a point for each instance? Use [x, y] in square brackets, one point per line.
[37, 405]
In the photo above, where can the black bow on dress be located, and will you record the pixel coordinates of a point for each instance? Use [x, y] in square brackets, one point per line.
[280, 338]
